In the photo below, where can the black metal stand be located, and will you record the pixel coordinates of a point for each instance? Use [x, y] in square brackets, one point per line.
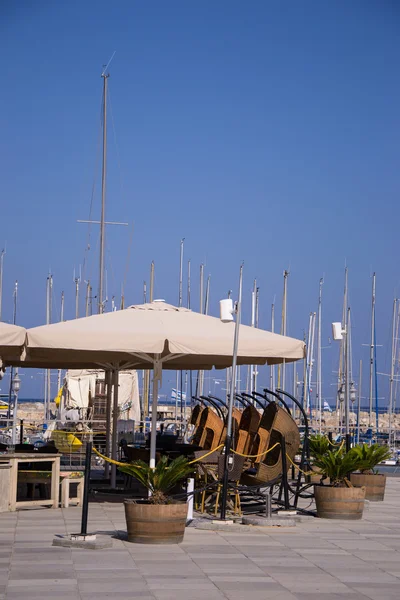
[85, 503]
[285, 484]
[21, 432]
[348, 441]
[225, 481]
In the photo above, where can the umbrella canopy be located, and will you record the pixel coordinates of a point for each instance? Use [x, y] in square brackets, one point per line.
[12, 342]
[138, 336]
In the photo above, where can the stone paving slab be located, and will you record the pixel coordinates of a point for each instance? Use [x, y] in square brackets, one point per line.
[316, 560]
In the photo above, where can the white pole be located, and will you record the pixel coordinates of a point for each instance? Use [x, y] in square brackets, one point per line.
[114, 439]
[392, 367]
[14, 427]
[272, 367]
[1, 279]
[319, 356]
[153, 434]
[190, 490]
[371, 353]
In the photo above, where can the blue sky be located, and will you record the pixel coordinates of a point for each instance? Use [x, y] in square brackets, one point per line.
[265, 132]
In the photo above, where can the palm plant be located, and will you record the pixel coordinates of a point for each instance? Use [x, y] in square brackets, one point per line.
[337, 464]
[161, 479]
[318, 444]
[370, 456]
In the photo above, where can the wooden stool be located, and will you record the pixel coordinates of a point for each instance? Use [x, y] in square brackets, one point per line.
[66, 479]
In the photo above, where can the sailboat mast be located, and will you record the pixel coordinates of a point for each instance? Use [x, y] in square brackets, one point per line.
[282, 368]
[151, 281]
[188, 285]
[359, 402]
[103, 195]
[181, 274]
[1, 279]
[372, 352]
[200, 374]
[314, 318]
[180, 301]
[347, 382]
[392, 367]
[307, 364]
[49, 297]
[10, 389]
[272, 367]
[255, 368]
[61, 320]
[87, 299]
[146, 373]
[319, 356]
[77, 282]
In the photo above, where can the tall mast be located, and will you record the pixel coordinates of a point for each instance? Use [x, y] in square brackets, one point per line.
[207, 299]
[49, 298]
[105, 77]
[250, 368]
[10, 392]
[347, 380]
[77, 281]
[1, 279]
[151, 298]
[201, 288]
[87, 299]
[359, 402]
[308, 363]
[181, 274]
[200, 374]
[341, 371]
[180, 302]
[372, 352]
[392, 367]
[272, 367]
[146, 373]
[319, 356]
[255, 369]
[61, 320]
[282, 368]
[188, 285]
[314, 318]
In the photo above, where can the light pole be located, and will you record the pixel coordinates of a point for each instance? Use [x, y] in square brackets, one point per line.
[227, 312]
[347, 392]
[16, 384]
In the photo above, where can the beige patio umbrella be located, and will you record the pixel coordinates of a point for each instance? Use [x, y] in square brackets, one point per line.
[143, 335]
[12, 343]
[153, 336]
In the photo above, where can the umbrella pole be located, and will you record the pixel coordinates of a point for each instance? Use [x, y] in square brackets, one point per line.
[114, 439]
[108, 381]
[153, 434]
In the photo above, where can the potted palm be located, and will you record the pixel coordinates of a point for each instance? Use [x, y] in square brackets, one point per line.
[319, 446]
[340, 499]
[370, 457]
[159, 519]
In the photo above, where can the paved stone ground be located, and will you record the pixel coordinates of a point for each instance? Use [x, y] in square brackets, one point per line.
[316, 559]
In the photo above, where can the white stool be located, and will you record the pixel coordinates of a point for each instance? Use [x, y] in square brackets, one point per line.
[66, 480]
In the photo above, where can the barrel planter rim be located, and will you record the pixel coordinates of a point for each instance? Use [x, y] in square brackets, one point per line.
[149, 523]
[371, 481]
[323, 504]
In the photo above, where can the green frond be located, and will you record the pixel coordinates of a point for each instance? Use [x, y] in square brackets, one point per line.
[370, 456]
[163, 477]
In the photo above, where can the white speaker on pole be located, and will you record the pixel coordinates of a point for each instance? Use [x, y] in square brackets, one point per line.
[337, 332]
[226, 310]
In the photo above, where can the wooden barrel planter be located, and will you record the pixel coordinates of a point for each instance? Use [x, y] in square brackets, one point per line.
[155, 523]
[374, 484]
[339, 502]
